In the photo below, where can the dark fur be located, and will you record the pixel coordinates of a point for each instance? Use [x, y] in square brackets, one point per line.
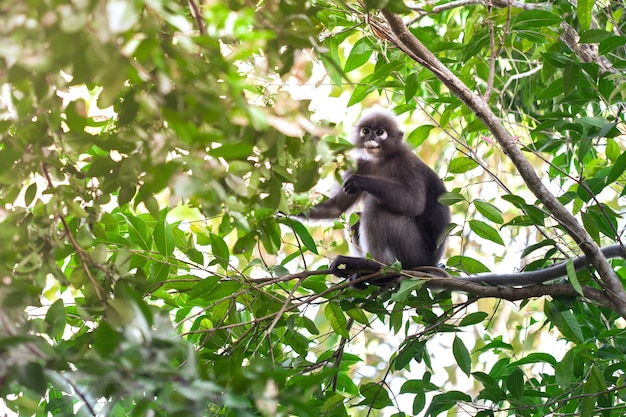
[401, 217]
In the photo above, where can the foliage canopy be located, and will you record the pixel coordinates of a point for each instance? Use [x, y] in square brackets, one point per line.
[151, 153]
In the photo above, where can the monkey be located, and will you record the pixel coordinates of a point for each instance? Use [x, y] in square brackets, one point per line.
[401, 218]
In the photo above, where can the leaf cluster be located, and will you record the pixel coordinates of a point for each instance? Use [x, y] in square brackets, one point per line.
[148, 153]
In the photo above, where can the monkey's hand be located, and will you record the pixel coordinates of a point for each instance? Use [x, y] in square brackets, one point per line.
[347, 266]
[355, 183]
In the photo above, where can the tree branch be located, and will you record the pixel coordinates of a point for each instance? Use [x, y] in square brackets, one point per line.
[518, 293]
[498, 3]
[585, 52]
[416, 50]
[545, 274]
[197, 15]
[85, 260]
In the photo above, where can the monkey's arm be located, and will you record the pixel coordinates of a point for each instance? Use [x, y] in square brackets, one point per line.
[333, 207]
[392, 195]
[542, 275]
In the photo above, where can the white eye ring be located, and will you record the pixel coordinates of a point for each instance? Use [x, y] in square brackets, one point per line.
[365, 131]
[381, 134]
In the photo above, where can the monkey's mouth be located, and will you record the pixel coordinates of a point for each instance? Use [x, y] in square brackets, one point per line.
[371, 146]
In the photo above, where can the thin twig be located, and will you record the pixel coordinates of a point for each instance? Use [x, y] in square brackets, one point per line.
[84, 258]
[195, 12]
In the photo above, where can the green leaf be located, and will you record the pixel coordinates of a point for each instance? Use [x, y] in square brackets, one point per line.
[304, 235]
[385, 70]
[419, 135]
[361, 91]
[565, 321]
[467, 264]
[407, 286]
[357, 315]
[246, 243]
[612, 150]
[564, 369]
[220, 250]
[30, 194]
[333, 405]
[337, 320]
[473, 318]
[412, 349]
[164, 237]
[515, 383]
[570, 77]
[583, 10]
[195, 256]
[450, 198]
[337, 144]
[490, 211]
[398, 7]
[75, 115]
[461, 164]
[411, 84]
[590, 391]
[555, 89]
[204, 286]
[223, 290]
[573, 279]
[530, 249]
[593, 35]
[443, 402]
[332, 61]
[308, 176]
[610, 44]
[536, 357]
[419, 402]
[462, 355]
[485, 231]
[534, 19]
[31, 375]
[106, 339]
[557, 59]
[78, 277]
[138, 231]
[617, 169]
[232, 151]
[375, 4]
[376, 396]
[55, 320]
[359, 54]
[159, 271]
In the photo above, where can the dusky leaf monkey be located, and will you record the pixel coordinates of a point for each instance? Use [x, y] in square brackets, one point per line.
[401, 217]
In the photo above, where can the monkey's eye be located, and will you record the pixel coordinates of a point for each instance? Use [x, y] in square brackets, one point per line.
[381, 133]
[365, 131]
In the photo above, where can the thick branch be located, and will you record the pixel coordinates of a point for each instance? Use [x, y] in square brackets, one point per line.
[517, 293]
[542, 275]
[585, 52]
[414, 48]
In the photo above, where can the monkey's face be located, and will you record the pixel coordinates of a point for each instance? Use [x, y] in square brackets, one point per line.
[376, 135]
[372, 139]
